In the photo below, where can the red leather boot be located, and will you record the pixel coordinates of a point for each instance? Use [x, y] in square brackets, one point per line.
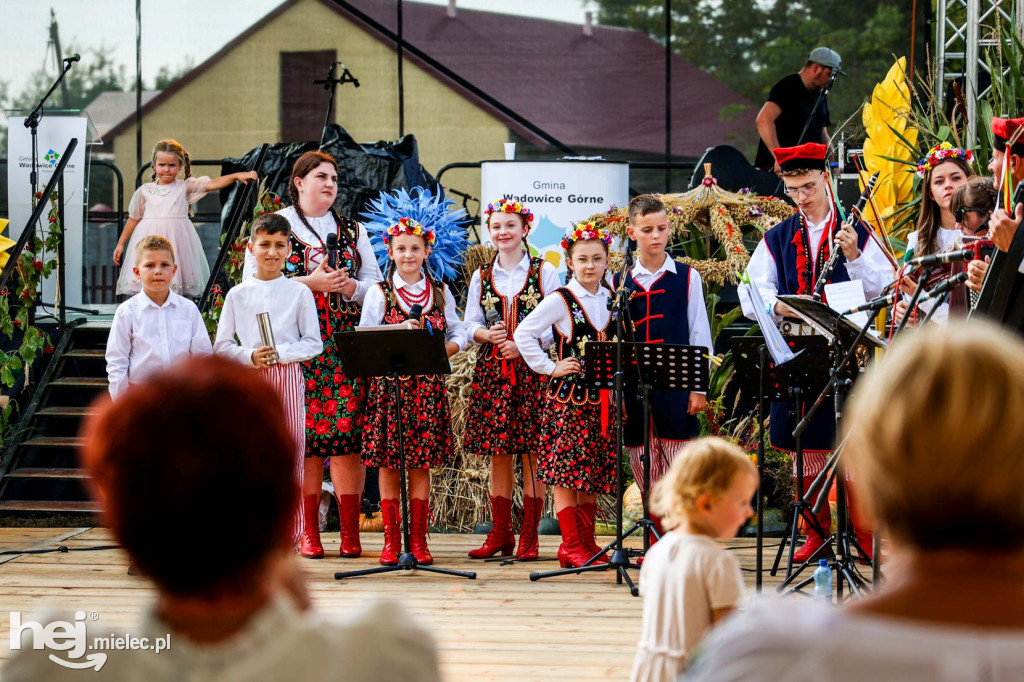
[309, 541]
[588, 532]
[348, 513]
[392, 532]
[571, 553]
[418, 513]
[501, 538]
[814, 541]
[861, 528]
[529, 542]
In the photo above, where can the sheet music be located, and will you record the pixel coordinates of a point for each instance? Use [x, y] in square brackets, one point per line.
[780, 351]
[842, 296]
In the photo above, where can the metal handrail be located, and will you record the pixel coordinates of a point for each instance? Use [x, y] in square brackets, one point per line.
[234, 224]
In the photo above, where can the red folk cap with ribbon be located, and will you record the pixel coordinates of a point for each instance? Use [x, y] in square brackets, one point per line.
[1006, 129]
[810, 156]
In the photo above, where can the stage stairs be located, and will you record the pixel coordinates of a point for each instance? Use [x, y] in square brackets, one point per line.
[40, 473]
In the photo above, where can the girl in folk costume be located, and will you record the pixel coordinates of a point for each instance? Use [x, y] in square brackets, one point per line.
[333, 400]
[577, 456]
[505, 390]
[788, 261]
[415, 230]
[666, 305]
[942, 171]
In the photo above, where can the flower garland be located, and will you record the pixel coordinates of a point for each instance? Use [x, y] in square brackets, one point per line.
[943, 152]
[510, 207]
[34, 264]
[722, 218]
[409, 226]
[585, 230]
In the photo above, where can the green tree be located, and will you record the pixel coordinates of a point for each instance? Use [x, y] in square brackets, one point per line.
[95, 74]
[167, 75]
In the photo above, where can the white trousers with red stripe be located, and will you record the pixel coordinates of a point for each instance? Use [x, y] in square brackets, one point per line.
[663, 452]
[287, 382]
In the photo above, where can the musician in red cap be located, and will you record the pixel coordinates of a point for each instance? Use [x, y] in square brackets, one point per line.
[1008, 153]
[788, 261]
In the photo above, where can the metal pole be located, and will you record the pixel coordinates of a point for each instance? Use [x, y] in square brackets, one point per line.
[138, 83]
[971, 70]
[940, 52]
[668, 93]
[401, 82]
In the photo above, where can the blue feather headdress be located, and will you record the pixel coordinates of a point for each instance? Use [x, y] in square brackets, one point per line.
[434, 213]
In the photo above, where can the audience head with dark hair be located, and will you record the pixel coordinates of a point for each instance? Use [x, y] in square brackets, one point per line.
[200, 442]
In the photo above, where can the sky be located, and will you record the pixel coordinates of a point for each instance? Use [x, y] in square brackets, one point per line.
[171, 31]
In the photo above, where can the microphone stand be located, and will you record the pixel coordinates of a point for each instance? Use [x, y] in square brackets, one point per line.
[32, 123]
[330, 84]
[619, 561]
[822, 94]
[925, 271]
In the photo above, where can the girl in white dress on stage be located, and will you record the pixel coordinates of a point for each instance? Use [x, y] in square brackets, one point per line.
[162, 208]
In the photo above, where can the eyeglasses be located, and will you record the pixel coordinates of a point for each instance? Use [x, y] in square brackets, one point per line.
[807, 190]
[959, 215]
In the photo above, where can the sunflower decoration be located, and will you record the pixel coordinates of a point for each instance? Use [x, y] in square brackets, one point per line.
[708, 213]
[891, 150]
[5, 243]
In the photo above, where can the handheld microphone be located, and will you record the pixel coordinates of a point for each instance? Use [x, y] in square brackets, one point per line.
[415, 311]
[945, 286]
[331, 246]
[493, 316]
[947, 257]
[72, 59]
[875, 304]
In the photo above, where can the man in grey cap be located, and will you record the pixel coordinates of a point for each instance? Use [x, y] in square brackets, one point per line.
[791, 102]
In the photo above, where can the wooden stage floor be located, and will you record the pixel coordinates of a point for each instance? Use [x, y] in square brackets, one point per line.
[500, 626]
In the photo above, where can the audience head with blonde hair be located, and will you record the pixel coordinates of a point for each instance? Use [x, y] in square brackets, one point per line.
[707, 488]
[936, 440]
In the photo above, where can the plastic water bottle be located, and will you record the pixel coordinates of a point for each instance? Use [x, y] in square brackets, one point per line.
[823, 582]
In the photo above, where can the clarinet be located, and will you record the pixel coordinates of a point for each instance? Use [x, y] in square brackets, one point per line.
[833, 256]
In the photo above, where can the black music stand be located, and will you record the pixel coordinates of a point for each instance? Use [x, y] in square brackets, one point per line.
[806, 374]
[390, 354]
[646, 367]
[840, 329]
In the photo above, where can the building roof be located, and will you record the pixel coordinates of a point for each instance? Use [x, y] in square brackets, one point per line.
[605, 90]
[111, 108]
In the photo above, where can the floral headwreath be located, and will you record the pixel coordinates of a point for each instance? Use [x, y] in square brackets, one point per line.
[583, 232]
[409, 226]
[943, 152]
[406, 212]
[506, 206]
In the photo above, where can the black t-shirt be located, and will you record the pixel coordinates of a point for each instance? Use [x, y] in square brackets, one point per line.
[796, 102]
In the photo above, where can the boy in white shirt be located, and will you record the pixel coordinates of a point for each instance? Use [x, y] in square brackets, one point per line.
[296, 330]
[155, 327]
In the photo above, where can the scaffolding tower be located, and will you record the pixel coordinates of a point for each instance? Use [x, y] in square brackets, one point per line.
[963, 29]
